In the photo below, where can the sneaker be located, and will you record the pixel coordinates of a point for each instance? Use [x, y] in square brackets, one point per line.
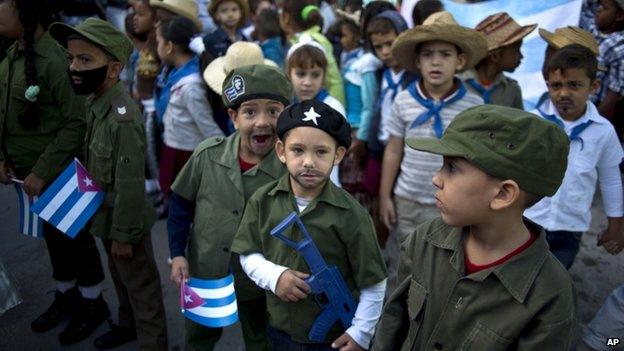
[61, 308]
[91, 313]
[114, 337]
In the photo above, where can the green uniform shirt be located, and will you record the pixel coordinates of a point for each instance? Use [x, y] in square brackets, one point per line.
[507, 92]
[115, 158]
[526, 303]
[212, 179]
[341, 229]
[57, 139]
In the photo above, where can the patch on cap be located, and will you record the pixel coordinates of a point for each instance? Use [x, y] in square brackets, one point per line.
[236, 89]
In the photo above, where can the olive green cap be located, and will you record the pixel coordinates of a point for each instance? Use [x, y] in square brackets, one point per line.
[100, 33]
[506, 143]
[255, 82]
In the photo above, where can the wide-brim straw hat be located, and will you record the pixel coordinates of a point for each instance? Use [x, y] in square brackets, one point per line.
[439, 26]
[243, 4]
[502, 30]
[184, 8]
[239, 54]
[570, 35]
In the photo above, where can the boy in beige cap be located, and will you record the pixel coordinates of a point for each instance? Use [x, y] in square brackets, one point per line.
[504, 37]
[481, 277]
[438, 49]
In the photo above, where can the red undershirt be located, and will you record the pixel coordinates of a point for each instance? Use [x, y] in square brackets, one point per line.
[245, 166]
[473, 268]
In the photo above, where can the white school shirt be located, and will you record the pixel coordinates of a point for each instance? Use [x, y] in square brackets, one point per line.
[386, 104]
[569, 208]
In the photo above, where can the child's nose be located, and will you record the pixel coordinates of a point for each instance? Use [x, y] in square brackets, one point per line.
[436, 180]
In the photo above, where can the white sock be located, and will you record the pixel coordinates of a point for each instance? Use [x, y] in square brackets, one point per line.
[63, 286]
[91, 292]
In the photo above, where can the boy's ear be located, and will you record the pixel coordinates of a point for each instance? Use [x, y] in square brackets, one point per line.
[233, 116]
[114, 70]
[280, 150]
[340, 153]
[507, 196]
[461, 62]
[595, 85]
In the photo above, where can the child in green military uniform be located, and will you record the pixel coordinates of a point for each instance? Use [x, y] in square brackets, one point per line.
[211, 191]
[313, 138]
[482, 277]
[42, 128]
[115, 157]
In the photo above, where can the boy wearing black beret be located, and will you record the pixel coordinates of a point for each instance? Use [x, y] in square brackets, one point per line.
[312, 139]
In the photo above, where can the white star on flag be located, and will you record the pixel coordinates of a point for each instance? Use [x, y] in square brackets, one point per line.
[88, 181]
[187, 298]
[311, 115]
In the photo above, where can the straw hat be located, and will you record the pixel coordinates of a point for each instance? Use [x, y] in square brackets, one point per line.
[501, 30]
[570, 35]
[439, 26]
[239, 54]
[353, 17]
[244, 6]
[184, 8]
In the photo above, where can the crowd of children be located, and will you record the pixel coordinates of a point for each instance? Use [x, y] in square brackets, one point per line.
[451, 213]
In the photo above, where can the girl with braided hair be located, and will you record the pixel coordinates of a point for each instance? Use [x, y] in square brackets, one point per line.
[42, 128]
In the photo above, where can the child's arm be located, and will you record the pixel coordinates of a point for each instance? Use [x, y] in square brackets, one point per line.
[201, 112]
[393, 154]
[181, 215]
[365, 318]
[370, 92]
[287, 284]
[607, 105]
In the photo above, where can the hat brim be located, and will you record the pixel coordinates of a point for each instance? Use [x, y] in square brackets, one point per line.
[434, 146]
[471, 42]
[518, 35]
[178, 11]
[214, 75]
[61, 32]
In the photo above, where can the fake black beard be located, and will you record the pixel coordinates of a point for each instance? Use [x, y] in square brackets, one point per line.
[90, 80]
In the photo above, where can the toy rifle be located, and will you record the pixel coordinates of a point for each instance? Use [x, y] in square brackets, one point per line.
[328, 287]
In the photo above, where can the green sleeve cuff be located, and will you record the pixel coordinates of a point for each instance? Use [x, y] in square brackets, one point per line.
[129, 236]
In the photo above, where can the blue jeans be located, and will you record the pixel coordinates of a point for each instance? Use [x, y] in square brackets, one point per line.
[564, 245]
[608, 322]
[281, 341]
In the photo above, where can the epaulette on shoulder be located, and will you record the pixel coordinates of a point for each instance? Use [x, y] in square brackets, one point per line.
[121, 111]
[210, 143]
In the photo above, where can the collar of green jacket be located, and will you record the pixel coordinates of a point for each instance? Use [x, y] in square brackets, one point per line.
[101, 105]
[229, 158]
[43, 47]
[328, 195]
[517, 274]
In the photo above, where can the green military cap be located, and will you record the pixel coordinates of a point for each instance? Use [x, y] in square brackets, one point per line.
[506, 143]
[256, 82]
[99, 32]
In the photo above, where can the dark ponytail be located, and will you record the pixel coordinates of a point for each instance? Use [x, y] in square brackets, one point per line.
[31, 14]
[304, 19]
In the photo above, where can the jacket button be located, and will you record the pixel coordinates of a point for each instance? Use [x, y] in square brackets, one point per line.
[226, 249]
[235, 212]
[438, 346]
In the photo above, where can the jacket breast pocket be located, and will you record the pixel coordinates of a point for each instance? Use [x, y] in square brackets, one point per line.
[483, 338]
[101, 158]
[416, 300]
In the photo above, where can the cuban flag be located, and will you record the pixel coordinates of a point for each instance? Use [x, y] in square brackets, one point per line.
[211, 303]
[29, 223]
[70, 201]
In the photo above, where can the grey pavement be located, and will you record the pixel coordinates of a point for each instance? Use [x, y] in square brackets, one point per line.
[27, 261]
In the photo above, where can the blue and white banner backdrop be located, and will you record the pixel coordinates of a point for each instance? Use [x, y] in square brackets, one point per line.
[550, 14]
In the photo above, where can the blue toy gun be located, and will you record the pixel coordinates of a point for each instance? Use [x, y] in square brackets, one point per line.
[328, 287]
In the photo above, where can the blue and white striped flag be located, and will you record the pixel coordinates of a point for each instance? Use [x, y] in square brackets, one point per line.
[211, 303]
[70, 201]
[29, 223]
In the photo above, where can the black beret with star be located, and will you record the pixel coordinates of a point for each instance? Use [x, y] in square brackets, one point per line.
[314, 113]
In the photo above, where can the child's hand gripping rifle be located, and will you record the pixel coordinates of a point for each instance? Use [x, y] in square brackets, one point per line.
[328, 287]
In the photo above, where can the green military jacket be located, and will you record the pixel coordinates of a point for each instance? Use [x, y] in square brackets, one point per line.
[212, 179]
[342, 231]
[115, 158]
[526, 303]
[507, 91]
[57, 139]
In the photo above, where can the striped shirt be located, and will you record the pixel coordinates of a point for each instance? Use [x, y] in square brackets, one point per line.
[417, 167]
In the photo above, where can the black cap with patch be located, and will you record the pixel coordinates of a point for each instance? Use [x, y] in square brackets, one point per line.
[313, 113]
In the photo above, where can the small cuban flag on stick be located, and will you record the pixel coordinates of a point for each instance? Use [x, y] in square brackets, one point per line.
[70, 201]
[211, 303]
[29, 223]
